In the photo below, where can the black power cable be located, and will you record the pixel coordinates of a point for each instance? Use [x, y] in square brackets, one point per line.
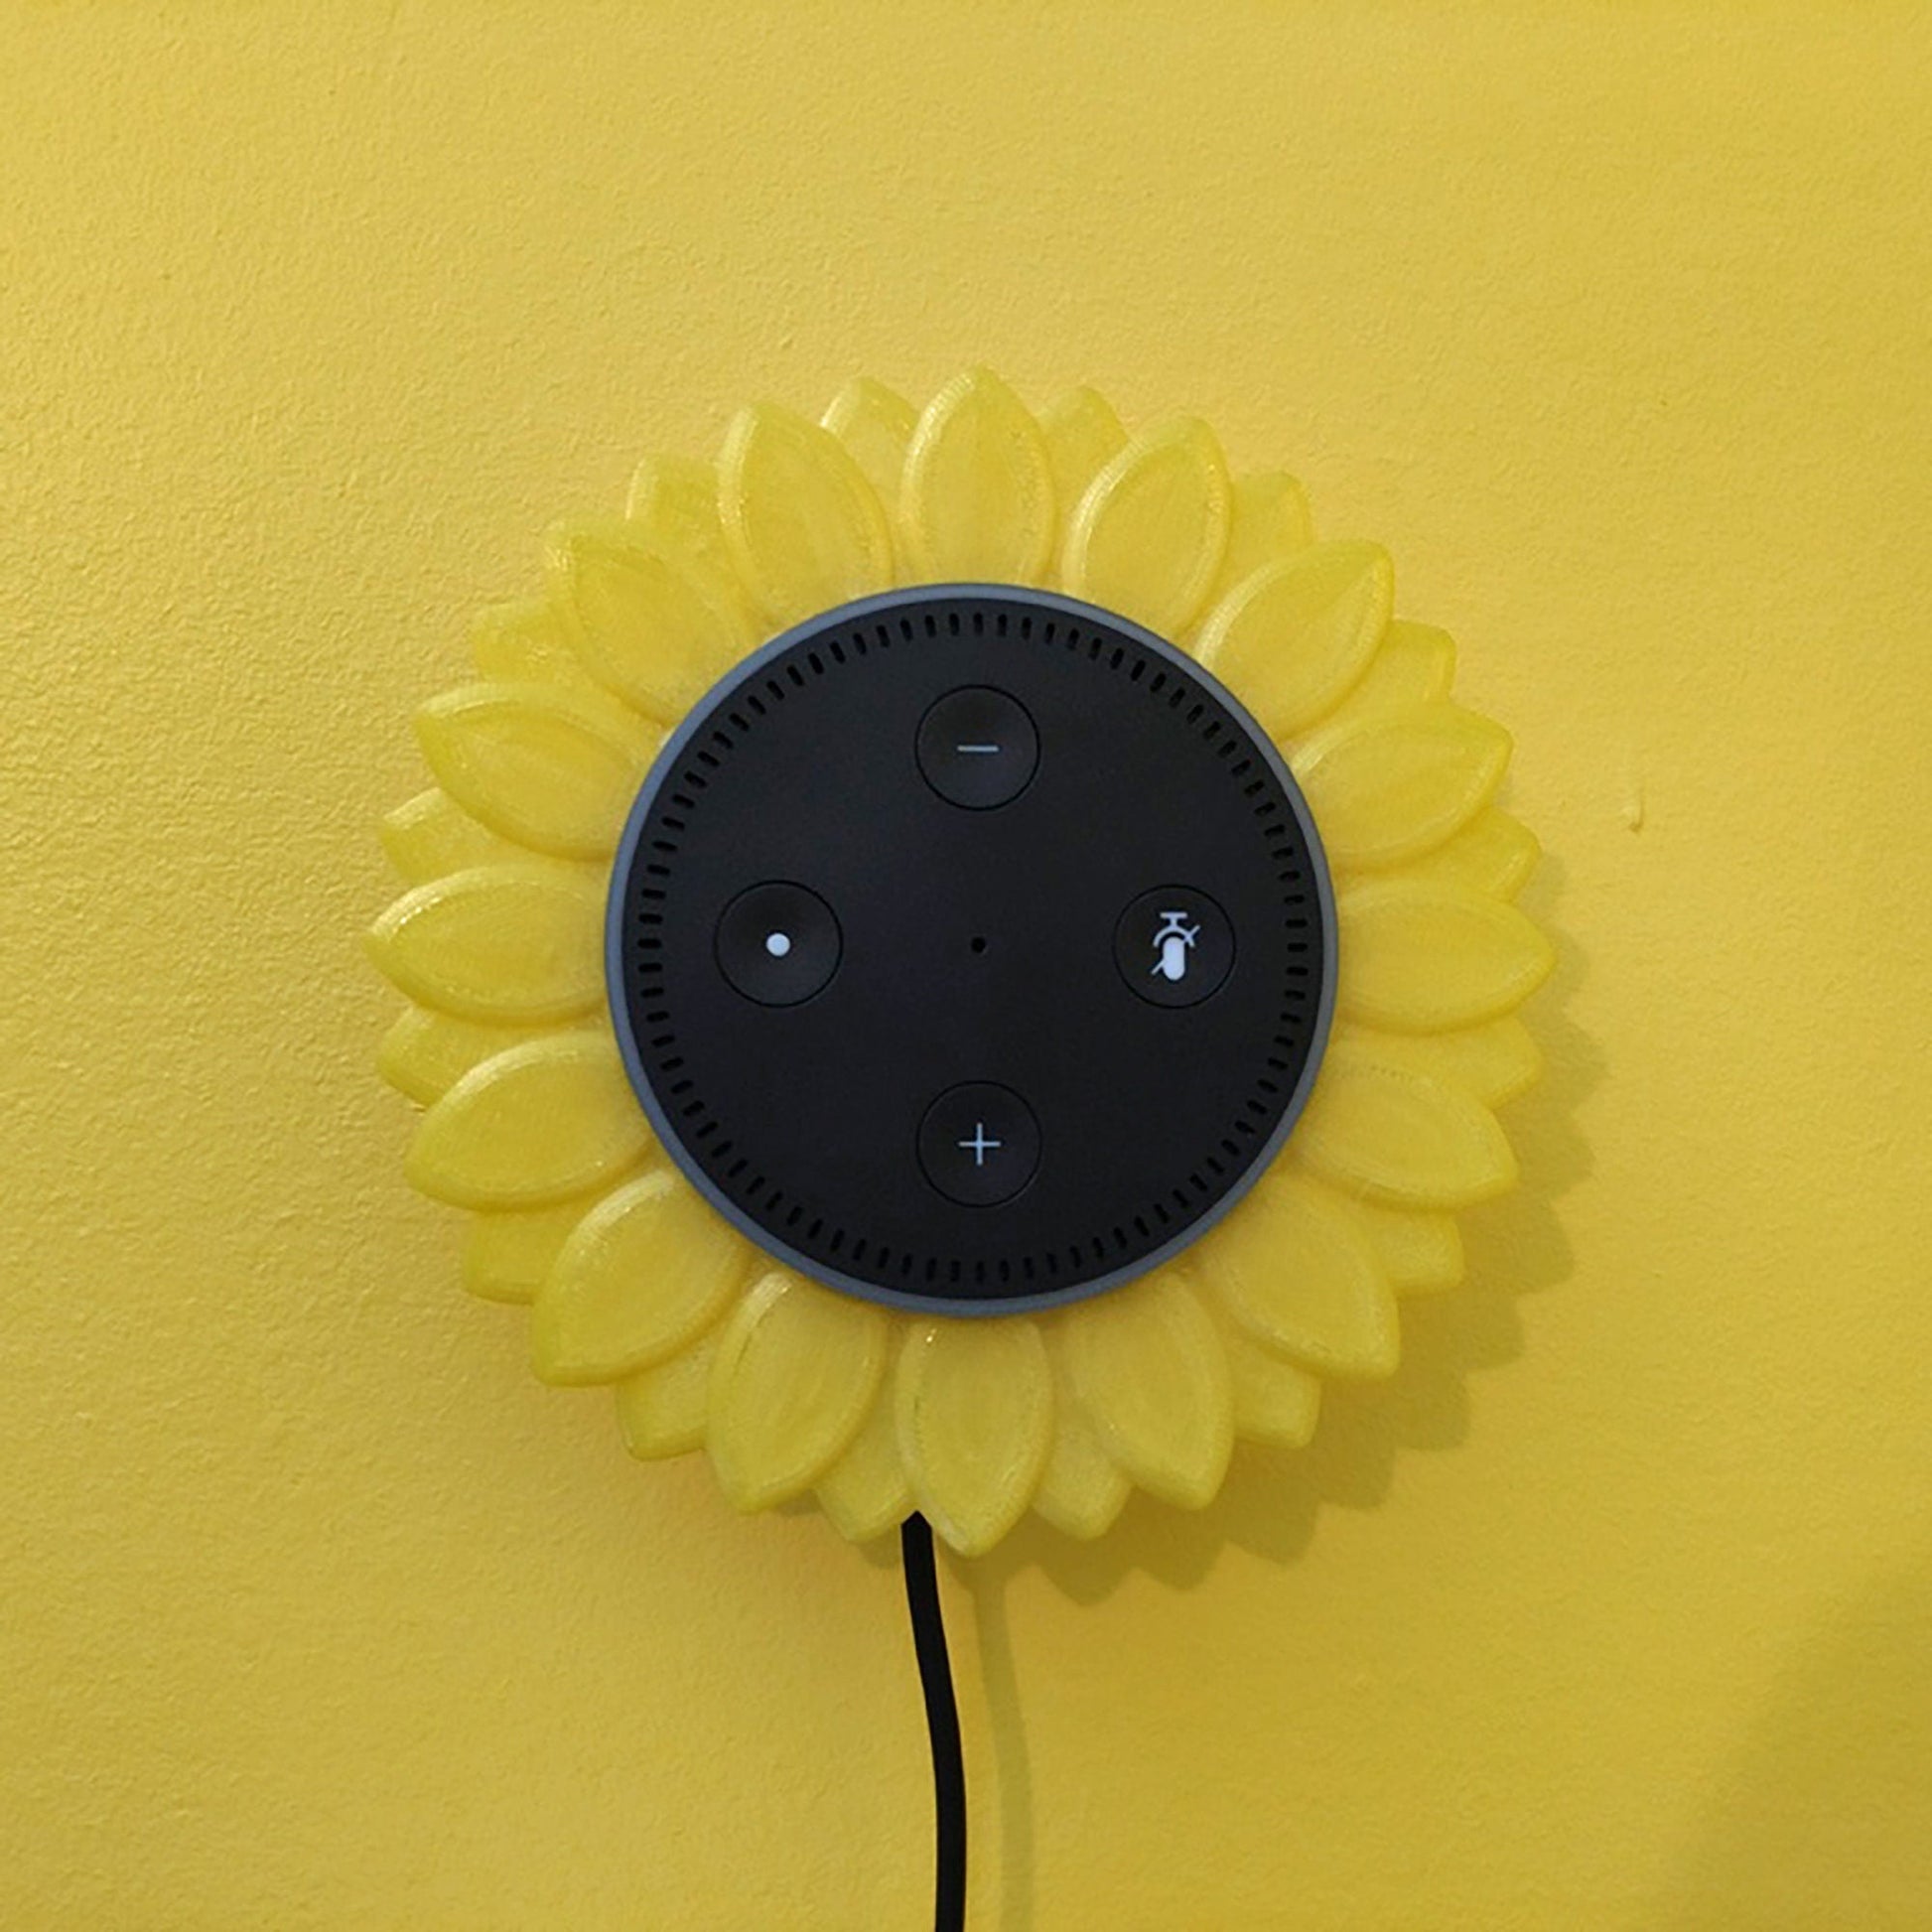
[942, 1723]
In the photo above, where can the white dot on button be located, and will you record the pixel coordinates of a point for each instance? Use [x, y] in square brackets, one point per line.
[777, 945]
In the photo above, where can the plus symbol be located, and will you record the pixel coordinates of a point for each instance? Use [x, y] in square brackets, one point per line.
[979, 1145]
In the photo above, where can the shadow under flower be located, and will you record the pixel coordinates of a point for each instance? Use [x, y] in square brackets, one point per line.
[1516, 1246]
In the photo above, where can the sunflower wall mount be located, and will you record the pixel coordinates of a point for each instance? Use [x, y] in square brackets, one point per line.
[962, 962]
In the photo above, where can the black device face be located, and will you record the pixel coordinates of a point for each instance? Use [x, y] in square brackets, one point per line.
[970, 949]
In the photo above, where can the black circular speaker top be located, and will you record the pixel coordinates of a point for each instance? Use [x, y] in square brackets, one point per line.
[971, 948]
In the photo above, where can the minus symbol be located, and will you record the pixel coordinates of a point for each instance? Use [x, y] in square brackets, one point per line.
[980, 751]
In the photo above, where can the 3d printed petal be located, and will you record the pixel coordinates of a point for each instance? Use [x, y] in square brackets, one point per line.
[639, 623]
[1399, 1135]
[1416, 665]
[1297, 635]
[432, 835]
[1396, 784]
[866, 1493]
[535, 1125]
[647, 1271]
[1423, 958]
[876, 426]
[526, 643]
[1420, 1249]
[1148, 1365]
[1494, 1062]
[508, 1256]
[1297, 1272]
[424, 1054]
[802, 524]
[516, 945]
[978, 501]
[1083, 436]
[795, 1375]
[1275, 1402]
[1148, 537]
[547, 767]
[974, 1405]
[1082, 1489]
[673, 510]
[1269, 520]
[663, 1411]
[1493, 854]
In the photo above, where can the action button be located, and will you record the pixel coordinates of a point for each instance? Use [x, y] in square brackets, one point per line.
[979, 1144]
[778, 943]
[978, 747]
[1174, 946]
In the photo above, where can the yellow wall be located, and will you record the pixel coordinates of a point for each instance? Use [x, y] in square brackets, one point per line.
[1614, 1611]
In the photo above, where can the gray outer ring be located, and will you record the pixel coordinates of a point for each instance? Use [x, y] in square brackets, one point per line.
[674, 749]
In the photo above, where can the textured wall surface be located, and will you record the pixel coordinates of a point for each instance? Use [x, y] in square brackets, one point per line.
[1612, 1610]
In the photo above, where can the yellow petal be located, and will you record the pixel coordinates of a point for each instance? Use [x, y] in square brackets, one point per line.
[1496, 1061]
[673, 501]
[1082, 436]
[1399, 1135]
[518, 944]
[432, 835]
[978, 501]
[550, 768]
[866, 1492]
[663, 1411]
[1396, 784]
[1269, 521]
[1421, 958]
[1148, 537]
[802, 524]
[1492, 853]
[875, 425]
[1420, 1249]
[1148, 1365]
[1082, 1489]
[424, 1054]
[1275, 1401]
[647, 1271]
[535, 1125]
[975, 1410]
[641, 624]
[1416, 665]
[796, 1372]
[1293, 1267]
[505, 1256]
[525, 644]
[673, 510]
[1293, 638]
